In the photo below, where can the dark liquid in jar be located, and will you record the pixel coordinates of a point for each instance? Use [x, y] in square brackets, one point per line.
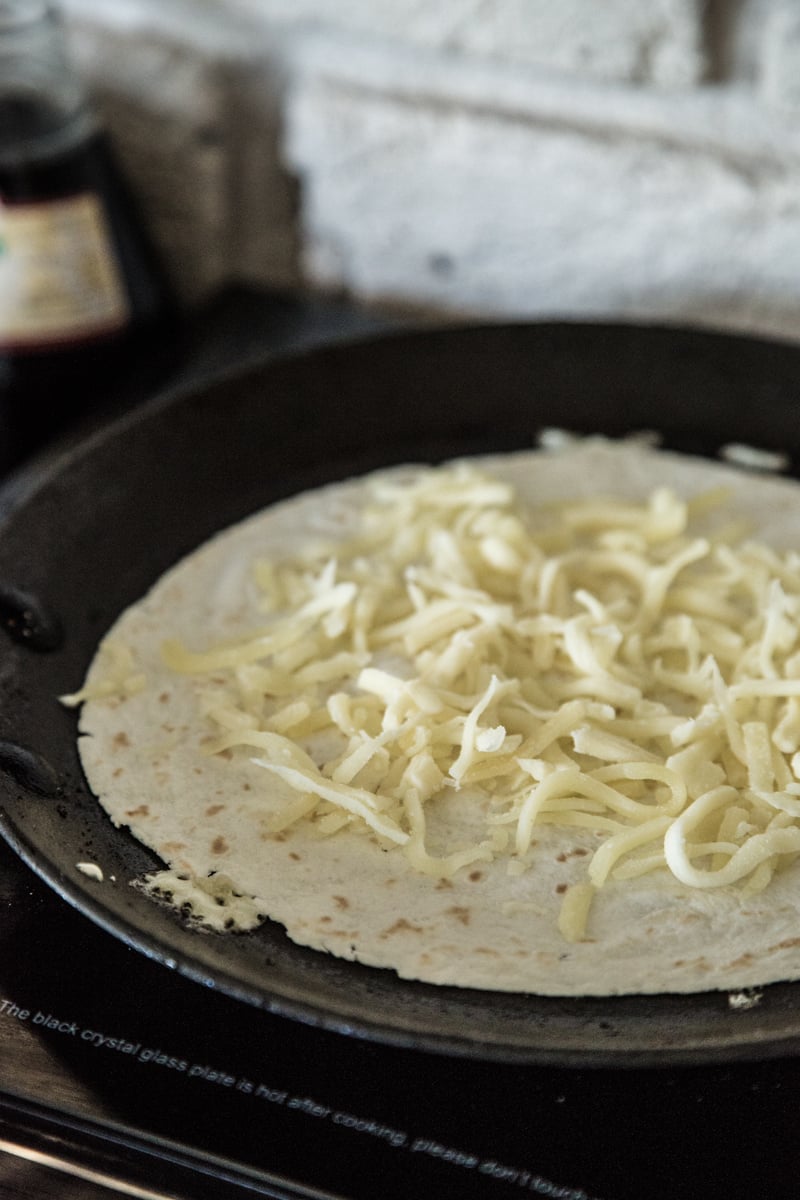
[57, 381]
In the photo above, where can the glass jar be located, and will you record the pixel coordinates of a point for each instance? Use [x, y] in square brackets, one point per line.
[80, 283]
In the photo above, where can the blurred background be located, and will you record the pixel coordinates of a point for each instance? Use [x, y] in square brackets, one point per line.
[469, 157]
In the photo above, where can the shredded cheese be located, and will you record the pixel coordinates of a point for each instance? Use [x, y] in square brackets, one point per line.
[597, 666]
[119, 677]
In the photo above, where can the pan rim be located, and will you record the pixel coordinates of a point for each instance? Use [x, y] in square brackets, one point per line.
[32, 480]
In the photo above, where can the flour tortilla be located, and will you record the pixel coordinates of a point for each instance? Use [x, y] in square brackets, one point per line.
[144, 759]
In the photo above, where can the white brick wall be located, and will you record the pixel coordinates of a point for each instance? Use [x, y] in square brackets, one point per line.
[473, 156]
[473, 192]
[658, 41]
[780, 55]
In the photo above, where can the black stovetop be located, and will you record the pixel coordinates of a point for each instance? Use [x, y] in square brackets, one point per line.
[130, 1076]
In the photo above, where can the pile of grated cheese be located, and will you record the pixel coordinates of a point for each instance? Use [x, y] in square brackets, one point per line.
[594, 665]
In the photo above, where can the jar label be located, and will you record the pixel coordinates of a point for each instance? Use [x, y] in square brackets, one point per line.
[59, 278]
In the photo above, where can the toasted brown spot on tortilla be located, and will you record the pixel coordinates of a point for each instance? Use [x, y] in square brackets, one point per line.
[401, 926]
[121, 739]
[444, 885]
[213, 809]
[219, 845]
[460, 913]
[163, 698]
[292, 853]
[476, 876]
[341, 901]
[115, 774]
[142, 811]
[561, 888]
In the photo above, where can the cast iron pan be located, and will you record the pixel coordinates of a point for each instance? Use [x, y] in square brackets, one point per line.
[105, 519]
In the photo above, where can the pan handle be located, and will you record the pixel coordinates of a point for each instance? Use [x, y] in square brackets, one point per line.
[28, 768]
[28, 620]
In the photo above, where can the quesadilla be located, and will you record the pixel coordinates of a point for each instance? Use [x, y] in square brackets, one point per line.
[527, 723]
